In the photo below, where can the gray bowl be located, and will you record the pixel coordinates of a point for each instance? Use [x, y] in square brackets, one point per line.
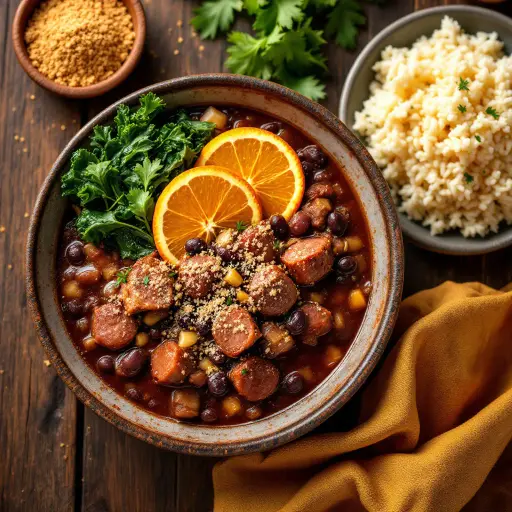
[404, 32]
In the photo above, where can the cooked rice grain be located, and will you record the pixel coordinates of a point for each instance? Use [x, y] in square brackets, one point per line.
[446, 168]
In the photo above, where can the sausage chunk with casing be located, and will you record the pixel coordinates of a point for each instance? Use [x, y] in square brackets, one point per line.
[197, 275]
[272, 291]
[254, 378]
[234, 331]
[170, 364]
[148, 287]
[309, 259]
[257, 241]
[318, 320]
[112, 328]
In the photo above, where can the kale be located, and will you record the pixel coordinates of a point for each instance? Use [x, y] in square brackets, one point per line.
[117, 179]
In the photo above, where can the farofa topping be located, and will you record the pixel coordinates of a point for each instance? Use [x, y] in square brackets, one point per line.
[79, 42]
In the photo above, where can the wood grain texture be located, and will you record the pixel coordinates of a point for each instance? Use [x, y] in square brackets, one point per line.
[99, 468]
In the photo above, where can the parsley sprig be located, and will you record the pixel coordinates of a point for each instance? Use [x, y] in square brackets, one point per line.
[289, 36]
[122, 276]
[241, 226]
[469, 179]
[462, 109]
[492, 112]
[463, 84]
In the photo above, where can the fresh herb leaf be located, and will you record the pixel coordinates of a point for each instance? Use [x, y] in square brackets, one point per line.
[277, 245]
[215, 16]
[492, 112]
[278, 13]
[173, 274]
[343, 23]
[246, 55]
[122, 276]
[241, 226]
[145, 281]
[463, 84]
[244, 371]
[478, 138]
[469, 179]
[252, 6]
[462, 109]
[307, 85]
[229, 301]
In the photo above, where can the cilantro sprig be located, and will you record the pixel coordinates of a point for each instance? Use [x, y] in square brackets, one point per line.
[463, 84]
[462, 109]
[469, 179]
[122, 276]
[241, 226]
[289, 37]
[492, 112]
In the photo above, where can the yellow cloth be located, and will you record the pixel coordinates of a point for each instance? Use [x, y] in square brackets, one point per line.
[433, 421]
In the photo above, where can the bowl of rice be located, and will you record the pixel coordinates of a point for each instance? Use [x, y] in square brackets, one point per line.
[431, 97]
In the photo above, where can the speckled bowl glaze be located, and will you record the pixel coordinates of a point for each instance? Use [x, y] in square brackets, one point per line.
[356, 90]
[368, 346]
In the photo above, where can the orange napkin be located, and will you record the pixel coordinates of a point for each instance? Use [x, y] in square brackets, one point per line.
[433, 422]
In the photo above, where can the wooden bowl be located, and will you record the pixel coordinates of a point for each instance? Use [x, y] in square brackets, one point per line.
[23, 14]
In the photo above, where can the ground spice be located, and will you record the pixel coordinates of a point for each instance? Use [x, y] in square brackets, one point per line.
[79, 42]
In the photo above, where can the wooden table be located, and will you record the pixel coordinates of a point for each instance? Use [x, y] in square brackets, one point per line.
[56, 455]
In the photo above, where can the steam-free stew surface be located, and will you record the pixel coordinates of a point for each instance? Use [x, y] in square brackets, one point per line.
[88, 275]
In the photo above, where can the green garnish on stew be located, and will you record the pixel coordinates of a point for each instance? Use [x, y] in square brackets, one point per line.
[229, 301]
[462, 108]
[469, 179]
[122, 276]
[277, 245]
[492, 112]
[244, 371]
[463, 84]
[173, 273]
[145, 281]
[241, 226]
[478, 138]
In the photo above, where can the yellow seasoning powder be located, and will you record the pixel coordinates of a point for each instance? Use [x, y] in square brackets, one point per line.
[79, 42]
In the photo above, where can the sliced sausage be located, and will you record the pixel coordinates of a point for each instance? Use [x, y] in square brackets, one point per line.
[257, 241]
[277, 340]
[318, 320]
[254, 378]
[309, 259]
[318, 210]
[197, 275]
[112, 328]
[148, 287]
[185, 403]
[272, 291]
[170, 364]
[320, 189]
[234, 331]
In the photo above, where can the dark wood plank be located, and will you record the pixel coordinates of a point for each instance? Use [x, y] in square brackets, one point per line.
[37, 418]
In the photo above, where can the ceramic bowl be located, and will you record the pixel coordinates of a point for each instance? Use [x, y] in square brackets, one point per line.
[356, 90]
[23, 14]
[290, 423]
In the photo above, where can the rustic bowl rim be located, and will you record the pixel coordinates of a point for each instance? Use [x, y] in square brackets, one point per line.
[451, 243]
[23, 13]
[382, 329]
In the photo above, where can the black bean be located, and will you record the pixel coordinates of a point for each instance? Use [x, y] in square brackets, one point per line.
[322, 176]
[105, 364]
[346, 265]
[296, 323]
[152, 403]
[293, 383]
[299, 223]
[273, 127]
[224, 254]
[280, 227]
[74, 307]
[75, 253]
[155, 334]
[217, 357]
[195, 246]
[307, 168]
[91, 302]
[209, 415]
[314, 155]
[337, 223]
[185, 321]
[218, 384]
[134, 394]
[131, 363]
[204, 327]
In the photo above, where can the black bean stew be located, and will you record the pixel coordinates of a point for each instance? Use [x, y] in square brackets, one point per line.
[307, 299]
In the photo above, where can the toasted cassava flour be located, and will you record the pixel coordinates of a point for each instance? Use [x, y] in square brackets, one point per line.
[438, 122]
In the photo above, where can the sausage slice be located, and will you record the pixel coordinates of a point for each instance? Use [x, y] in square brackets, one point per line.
[197, 275]
[148, 287]
[318, 320]
[254, 378]
[272, 291]
[170, 364]
[112, 328]
[234, 331]
[309, 259]
[257, 241]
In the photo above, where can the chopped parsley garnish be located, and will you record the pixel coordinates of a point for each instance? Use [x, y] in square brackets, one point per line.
[244, 371]
[122, 276]
[229, 301]
[241, 226]
[277, 245]
[478, 138]
[463, 84]
[492, 112]
[145, 280]
[462, 108]
[173, 273]
[469, 179]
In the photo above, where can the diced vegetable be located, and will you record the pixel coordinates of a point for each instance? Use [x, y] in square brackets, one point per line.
[241, 296]
[307, 373]
[333, 355]
[339, 320]
[72, 290]
[142, 339]
[356, 300]
[317, 297]
[89, 344]
[354, 243]
[206, 365]
[187, 339]
[153, 317]
[110, 271]
[232, 406]
[212, 115]
[198, 378]
[233, 278]
[185, 403]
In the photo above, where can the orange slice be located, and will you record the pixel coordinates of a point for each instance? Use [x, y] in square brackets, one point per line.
[198, 203]
[265, 161]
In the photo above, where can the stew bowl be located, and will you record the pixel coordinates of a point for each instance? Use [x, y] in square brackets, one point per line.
[385, 236]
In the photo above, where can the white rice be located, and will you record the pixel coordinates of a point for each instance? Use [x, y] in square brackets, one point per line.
[438, 171]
